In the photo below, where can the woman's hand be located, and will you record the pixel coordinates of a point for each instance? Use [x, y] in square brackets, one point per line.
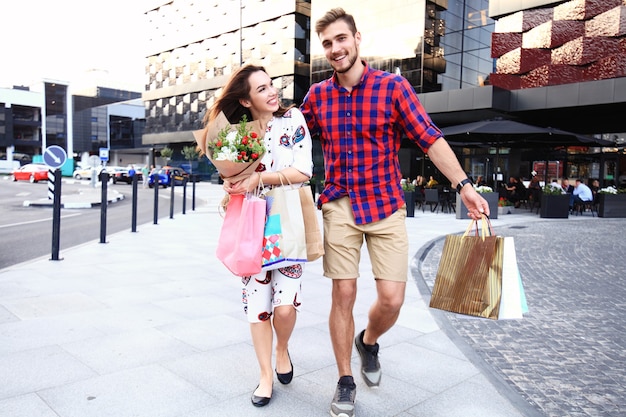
[243, 186]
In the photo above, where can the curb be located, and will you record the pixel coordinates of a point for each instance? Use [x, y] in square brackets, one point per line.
[43, 202]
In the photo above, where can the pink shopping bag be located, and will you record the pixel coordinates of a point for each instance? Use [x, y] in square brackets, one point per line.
[241, 237]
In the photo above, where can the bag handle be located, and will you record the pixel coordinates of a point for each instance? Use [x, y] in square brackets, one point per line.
[282, 177]
[485, 227]
[223, 205]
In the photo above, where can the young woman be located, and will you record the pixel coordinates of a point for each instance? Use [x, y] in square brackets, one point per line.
[271, 299]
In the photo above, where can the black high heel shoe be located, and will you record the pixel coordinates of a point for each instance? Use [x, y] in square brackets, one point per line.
[286, 378]
[259, 401]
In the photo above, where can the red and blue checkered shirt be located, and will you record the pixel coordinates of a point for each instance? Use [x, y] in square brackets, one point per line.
[360, 133]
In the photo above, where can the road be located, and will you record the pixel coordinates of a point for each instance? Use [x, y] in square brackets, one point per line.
[26, 232]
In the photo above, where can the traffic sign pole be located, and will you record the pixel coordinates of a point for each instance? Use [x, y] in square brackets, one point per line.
[56, 216]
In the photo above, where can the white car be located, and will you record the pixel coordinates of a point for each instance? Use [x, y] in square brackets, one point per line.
[85, 173]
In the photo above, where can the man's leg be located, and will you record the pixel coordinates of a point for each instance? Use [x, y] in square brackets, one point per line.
[382, 316]
[384, 312]
[341, 323]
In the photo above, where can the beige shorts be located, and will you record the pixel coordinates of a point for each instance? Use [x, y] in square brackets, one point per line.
[387, 243]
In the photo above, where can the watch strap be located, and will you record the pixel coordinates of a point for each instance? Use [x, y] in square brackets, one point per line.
[461, 184]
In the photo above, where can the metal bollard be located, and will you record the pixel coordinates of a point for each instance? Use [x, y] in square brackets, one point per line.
[155, 183]
[172, 184]
[184, 195]
[56, 216]
[133, 222]
[193, 193]
[104, 178]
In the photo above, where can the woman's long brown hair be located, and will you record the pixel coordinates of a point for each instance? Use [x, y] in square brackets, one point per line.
[237, 88]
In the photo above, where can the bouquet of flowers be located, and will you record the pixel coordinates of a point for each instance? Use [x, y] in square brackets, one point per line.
[235, 150]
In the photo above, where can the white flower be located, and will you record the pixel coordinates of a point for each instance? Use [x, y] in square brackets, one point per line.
[227, 154]
[232, 137]
[608, 190]
[483, 189]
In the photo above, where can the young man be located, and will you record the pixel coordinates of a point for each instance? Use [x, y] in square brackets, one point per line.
[361, 115]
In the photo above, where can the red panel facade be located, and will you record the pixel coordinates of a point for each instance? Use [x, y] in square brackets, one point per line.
[584, 50]
[578, 40]
[552, 34]
[583, 9]
[611, 23]
[552, 75]
[520, 61]
[501, 43]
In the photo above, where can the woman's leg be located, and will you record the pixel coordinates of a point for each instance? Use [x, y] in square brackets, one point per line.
[284, 323]
[262, 341]
[257, 299]
[286, 299]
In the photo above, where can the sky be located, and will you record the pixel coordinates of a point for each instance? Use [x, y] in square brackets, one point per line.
[64, 40]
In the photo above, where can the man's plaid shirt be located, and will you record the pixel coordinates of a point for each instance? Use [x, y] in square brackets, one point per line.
[360, 133]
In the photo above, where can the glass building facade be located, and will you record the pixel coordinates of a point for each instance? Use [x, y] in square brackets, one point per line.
[441, 46]
[466, 45]
[187, 67]
[436, 45]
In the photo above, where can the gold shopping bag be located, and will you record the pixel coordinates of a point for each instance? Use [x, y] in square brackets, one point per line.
[469, 277]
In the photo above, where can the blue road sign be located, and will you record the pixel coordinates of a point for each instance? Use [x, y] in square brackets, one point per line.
[54, 156]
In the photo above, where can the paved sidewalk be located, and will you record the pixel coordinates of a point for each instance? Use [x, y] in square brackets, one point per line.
[151, 324]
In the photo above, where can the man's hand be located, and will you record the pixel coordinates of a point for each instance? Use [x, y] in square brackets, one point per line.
[475, 203]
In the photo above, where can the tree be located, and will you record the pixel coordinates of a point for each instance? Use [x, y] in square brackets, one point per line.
[190, 153]
[166, 153]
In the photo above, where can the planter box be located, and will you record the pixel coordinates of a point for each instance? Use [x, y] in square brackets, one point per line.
[554, 206]
[492, 199]
[612, 205]
[409, 198]
[506, 210]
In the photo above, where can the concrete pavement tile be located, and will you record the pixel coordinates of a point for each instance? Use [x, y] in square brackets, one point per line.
[439, 342]
[282, 404]
[29, 405]
[310, 349]
[391, 398]
[427, 369]
[210, 333]
[21, 284]
[24, 335]
[224, 373]
[467, 399]
[416, 318]
[195, 307]
[33, 370]
[112, 353]
[124, 318]
[52, 305]
[149, 391]
[6, 316]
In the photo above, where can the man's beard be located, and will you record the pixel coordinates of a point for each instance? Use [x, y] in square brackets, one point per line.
[351, 60]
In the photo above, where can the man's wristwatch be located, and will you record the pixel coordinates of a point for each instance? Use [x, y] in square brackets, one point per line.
[460, 185]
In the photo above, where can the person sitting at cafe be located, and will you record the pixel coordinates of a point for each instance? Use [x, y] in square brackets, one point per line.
[431, 182]
[516, 191]
[595, 187]
[566, 186]
[582, 194]
[480, 181]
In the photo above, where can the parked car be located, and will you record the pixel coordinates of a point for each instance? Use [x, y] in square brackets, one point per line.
[84, 173]
[177, 175]
[31, 172]
[118, 174]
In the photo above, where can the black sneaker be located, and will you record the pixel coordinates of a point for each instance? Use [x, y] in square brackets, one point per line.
[370, 366]
[343, 401]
